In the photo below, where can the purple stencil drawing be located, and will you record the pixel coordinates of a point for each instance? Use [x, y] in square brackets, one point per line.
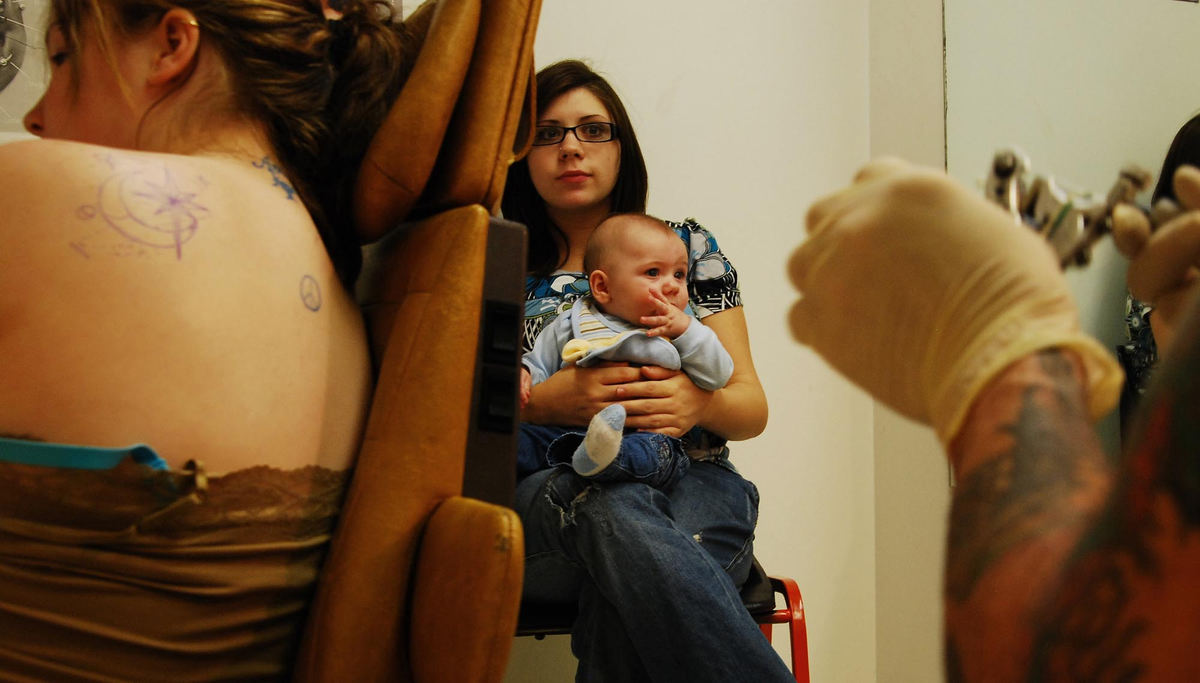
[148, 209]
[310, 293]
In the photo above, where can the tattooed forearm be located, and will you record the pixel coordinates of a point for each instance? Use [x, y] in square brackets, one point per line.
[1048, 456]
[1129, 608]
[1032, 477]
[1062, 565]
[1170, 427]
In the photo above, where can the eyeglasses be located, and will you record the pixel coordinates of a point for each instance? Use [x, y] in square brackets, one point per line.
[595, 131]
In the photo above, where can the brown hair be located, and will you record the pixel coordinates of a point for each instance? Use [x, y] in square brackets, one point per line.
[523, 204]
[610, 232]
[1185, 149]
[320, 88]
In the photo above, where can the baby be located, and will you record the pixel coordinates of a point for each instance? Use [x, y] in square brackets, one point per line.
[636, 313]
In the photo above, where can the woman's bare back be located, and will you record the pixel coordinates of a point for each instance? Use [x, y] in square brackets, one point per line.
[178, 301]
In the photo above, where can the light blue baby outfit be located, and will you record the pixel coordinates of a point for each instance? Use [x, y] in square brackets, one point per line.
[586, 335]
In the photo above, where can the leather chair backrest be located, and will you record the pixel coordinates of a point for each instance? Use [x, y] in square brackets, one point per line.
[412, 456]
[402, 155]
[489, 132]
[443, 153]
[457, 125]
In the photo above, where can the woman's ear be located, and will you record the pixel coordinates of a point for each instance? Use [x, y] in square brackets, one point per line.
[598, 281]
[176, 41]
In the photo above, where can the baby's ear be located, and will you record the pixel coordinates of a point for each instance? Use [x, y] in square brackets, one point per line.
[598, 281]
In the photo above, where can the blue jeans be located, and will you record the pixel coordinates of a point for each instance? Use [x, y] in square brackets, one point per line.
[655, 574]
[654, 459]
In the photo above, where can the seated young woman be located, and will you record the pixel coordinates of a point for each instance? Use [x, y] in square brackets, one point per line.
[185, 375]
[654, 573]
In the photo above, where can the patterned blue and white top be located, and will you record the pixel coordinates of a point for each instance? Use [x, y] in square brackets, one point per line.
[712, 287]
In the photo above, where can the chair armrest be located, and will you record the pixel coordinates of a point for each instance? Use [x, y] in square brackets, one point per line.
[466, 592]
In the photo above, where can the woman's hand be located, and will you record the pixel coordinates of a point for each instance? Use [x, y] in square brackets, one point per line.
[655, 399]
[666, 401]
[526, 386]
[571, 396]
[660, 400]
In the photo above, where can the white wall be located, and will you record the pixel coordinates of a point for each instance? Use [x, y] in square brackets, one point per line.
[746, 113]
[24, 90]
[1083, 87]
[912, 489]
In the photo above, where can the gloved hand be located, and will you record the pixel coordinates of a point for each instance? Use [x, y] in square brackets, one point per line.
[1163, 266]
[920, 291]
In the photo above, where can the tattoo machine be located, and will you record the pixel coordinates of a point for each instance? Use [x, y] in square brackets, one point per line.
[1071, 222]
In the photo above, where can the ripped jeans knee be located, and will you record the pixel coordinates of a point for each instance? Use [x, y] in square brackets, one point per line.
[567, 508]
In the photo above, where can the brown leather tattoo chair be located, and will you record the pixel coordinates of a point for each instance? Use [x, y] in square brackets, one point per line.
[422, 583]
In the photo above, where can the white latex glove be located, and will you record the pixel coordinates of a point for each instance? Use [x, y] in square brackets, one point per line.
[920, 291]
[1163, 266]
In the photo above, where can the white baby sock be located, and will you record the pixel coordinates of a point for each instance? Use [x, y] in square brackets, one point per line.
[602, 442]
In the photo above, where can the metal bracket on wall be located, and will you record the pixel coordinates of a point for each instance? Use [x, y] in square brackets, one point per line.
[12, 40]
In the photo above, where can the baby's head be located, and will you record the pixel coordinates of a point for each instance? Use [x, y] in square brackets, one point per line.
[631, 256]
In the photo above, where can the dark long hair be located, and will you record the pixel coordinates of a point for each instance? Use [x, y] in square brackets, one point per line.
[1184, 150]
[521, 201]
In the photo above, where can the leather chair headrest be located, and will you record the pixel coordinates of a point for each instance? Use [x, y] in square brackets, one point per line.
[457, 124]
[488, 132]
[401, 156]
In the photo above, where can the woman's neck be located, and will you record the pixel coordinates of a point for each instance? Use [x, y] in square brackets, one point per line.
[225, 138]
[200, 117]
[577, 226]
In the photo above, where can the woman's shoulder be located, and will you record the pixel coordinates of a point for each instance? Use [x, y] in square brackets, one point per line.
[37, 159]
[713, 279]
[688, 225]
[89, 213]
[48, 185]
[34, 151]
[57, 181]
[148, 202]
[700, 239]
[705, 256]
[39, 169]
[58, 166]
[84, 225]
